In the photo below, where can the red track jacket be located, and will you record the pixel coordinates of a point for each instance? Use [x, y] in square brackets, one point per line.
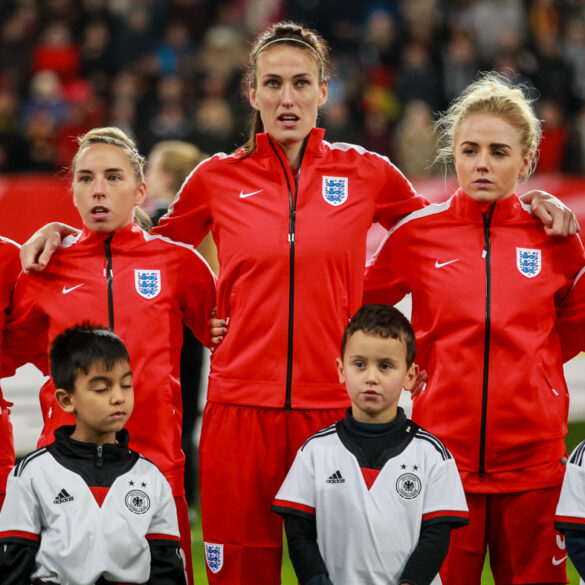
[485, 290]
[144, 287]
[571, 319]
[9, 270]
[292, 254]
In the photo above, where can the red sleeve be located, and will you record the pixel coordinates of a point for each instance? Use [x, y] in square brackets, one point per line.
[571, 319]
[9, 270]
[385, 278]
[199, 296]
[26, 329]
[397, 197]
[188, 218]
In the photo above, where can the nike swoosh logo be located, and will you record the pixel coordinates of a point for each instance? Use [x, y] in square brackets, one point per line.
[244, 195]
[556, 561]
[68, 290]
[441, 264]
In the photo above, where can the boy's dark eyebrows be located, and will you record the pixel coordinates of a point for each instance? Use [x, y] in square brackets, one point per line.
[106, 378]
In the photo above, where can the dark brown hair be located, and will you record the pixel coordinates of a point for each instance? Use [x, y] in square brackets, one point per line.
[292, 34]
[382, 321]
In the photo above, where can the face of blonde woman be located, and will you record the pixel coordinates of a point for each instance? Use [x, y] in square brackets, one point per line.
[489, 157]
[288, 93]
[105, 190]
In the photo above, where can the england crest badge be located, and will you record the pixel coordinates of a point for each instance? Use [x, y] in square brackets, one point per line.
[529, 262]
[335, 190]
[214, 556]
[147, 283]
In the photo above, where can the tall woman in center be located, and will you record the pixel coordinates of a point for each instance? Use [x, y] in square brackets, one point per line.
[289, 213]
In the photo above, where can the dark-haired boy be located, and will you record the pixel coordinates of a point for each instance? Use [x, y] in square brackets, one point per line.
[86, 509]
[373, 498]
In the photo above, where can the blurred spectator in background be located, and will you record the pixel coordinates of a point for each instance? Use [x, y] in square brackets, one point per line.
[13, 145]
[57, 52]
[460, 64]
[44, 111]
[575, 152]
[132, 53]
[573, 52]
[552, 75]
[554, 136]
[166, 113]
[213, 126]
[414, 140]
[495, 23]
[417, 77]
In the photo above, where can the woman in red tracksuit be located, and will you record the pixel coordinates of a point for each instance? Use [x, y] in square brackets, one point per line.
[486, 281]
[9, 270]
[142, 287]
[289, 213]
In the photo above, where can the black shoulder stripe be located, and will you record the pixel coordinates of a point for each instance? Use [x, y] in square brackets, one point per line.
[436, 443]
[577, 455]
[24, 462]
[331, 430]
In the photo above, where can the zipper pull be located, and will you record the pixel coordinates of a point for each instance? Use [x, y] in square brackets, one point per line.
[484, 253]
[100, 461]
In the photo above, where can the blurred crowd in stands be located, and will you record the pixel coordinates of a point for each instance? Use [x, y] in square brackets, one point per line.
[171, 69]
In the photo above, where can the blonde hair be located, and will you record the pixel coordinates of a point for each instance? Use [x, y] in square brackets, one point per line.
[492, 94]
[115, 137]
[178, 159]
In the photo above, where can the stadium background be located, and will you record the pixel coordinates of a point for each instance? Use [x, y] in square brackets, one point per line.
[172, 69]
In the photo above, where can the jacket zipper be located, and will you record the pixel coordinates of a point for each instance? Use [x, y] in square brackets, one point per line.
[487, 252]
[292, 210]
[110, 277]
[99, 461]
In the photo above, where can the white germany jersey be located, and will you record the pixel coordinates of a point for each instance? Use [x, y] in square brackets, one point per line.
[80, 536]
[369, 520]
[570, 512]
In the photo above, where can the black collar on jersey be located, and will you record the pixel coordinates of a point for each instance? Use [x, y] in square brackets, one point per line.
[98, 467]
[374, 444]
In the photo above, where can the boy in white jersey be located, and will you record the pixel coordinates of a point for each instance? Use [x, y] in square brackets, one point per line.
[373, 498]
[86, 509]
[570, 514]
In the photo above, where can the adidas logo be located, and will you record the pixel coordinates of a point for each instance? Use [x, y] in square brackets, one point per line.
[335, 478]
[62, 497]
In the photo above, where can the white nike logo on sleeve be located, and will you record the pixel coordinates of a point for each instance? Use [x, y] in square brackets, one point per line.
[68, 290]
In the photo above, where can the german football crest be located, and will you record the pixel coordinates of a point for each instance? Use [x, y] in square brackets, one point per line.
[408, 485]
[147, 283]
[214, 556]
[529, 262]
[335, 190]
[137, 501]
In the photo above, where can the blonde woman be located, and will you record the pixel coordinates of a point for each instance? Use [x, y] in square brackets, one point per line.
[143, 287]
[486, 281]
